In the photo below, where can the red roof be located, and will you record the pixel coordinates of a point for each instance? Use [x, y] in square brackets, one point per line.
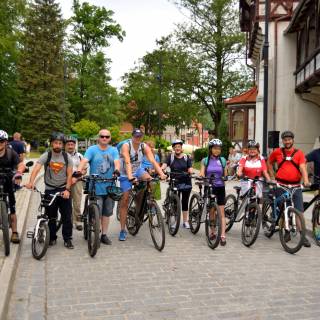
[249, 96]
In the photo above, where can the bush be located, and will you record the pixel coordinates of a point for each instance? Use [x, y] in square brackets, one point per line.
[42, 149]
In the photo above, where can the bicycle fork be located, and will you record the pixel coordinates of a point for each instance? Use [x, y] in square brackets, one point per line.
[31, 234]
[286, 219]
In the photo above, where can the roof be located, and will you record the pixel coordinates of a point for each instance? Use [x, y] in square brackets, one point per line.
[247, 97]
[298, 16]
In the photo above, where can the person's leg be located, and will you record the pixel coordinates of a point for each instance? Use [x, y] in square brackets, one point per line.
[184, 206]
[52, 213]
[65, 208]
[107, 211]
[76, 195]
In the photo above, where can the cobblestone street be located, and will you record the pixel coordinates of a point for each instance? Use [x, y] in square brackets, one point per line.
[132, 281]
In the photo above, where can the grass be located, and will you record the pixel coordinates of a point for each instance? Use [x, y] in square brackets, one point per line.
[34, 155]
[197, 165]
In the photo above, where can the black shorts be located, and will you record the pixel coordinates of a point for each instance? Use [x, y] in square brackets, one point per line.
[220, 193]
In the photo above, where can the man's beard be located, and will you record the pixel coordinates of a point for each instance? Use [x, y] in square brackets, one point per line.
[288, 146]
[57, 150]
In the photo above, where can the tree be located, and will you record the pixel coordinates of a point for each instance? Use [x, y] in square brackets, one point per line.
[86, 128]
[41, 79]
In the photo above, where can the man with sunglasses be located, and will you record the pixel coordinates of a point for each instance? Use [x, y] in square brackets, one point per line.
[131, 154]
[104, 161]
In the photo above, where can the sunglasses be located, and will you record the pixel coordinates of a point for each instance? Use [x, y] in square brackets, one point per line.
[107, 137]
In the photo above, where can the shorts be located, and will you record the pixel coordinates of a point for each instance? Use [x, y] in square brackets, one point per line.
[106, 205]
[125, 184]
[220, 193]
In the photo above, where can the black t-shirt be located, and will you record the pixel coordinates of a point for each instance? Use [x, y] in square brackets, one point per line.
[5, 163]
[314, 156]
[180, 165]
[18, 146]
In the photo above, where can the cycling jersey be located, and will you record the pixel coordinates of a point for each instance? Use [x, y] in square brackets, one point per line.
[253, 168]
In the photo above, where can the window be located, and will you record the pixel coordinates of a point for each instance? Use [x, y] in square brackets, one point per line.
[238, 125]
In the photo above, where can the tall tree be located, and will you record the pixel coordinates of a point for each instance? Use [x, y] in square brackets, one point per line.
[41, 78]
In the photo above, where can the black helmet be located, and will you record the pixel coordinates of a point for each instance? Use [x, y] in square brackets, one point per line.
[287, 134]
[115, 193]
[253, 144]
[57, 136]
[177, 141]
[70, 139]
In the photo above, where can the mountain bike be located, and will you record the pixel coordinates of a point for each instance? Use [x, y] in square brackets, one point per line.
[148, 211]
[244, 208]
[41, 234]
[278, 214]
[91, 211]
[203, 208]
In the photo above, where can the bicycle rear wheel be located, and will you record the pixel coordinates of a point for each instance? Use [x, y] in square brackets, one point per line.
[230, 211]
[268, 225]
[132, 224]
[40, 241]
[5, 227]
[251, 224]
[195, 211]
[156, 225]
[213, 226]
[93, 229]
[316, 224]
[174, 214]
[292, 239]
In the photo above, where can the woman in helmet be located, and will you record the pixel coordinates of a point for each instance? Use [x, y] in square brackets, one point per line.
[180, 162]
[215, 165]
[253, 166]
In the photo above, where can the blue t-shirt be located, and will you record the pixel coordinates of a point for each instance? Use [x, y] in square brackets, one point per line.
[102, 163]
[146, 164]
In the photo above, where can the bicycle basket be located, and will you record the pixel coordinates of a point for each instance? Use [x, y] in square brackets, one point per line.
[115, 193]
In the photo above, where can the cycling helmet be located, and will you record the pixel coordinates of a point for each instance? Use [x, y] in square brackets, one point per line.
[253, 144]
[57, 136]
[178, 141]
[287, 134]
[70, 139]
[3, 135]
[215, 143]
[115, 193]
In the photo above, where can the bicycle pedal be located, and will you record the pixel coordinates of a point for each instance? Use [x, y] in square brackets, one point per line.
[30, 234]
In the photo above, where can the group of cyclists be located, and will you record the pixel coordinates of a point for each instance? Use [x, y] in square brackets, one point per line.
[63, 167]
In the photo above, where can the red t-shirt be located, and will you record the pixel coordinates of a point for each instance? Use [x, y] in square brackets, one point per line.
[287, 172]
[253, 168]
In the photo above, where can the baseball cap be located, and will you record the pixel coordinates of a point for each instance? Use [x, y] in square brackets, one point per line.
[137, 132]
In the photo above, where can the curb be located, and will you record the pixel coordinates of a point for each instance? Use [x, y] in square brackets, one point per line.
[10, 263]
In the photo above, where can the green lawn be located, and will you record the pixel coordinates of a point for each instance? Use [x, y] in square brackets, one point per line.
[196, 165]
[34, 155]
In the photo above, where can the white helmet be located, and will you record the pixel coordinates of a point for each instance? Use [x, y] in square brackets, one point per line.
[3, 135]
[215, 143]
[178, 141]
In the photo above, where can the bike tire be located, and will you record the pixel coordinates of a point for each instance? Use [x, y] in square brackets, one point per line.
[156, 222]
[43, 238]
[132, 224]
[58, 222]
[195, 211]
[174, 211]
[230, 211]
[93, 229]
[251, 224]
[85, 219]
[316, 224]
[269, 227]
[5, 227]
[299, 243]
[213, 242]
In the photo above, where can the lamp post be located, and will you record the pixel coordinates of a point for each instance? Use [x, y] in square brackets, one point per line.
[265, 77]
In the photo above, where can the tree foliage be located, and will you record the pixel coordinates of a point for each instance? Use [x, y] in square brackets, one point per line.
[86, 128]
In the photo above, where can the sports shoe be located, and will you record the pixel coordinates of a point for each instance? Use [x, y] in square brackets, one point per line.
[306, 243]
[186, 225]
[104, 239]
[52, 242]
[68, 244]
[15, 237]
[123, 235]
[223, 241]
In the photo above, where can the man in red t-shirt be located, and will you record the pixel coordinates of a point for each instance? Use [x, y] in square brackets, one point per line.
[291, 168]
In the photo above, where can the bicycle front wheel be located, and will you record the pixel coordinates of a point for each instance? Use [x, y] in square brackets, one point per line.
[156, 225]
[251, 224]
[213, 226]
[40, 241]
[195, 211]
[93, 229]
[5, 227]
[292, 236]
[230, 211]
[316, 224]
[132, 224]
[268, 225]
[174, 214]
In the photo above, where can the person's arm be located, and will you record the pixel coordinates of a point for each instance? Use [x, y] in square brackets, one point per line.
[304, 173]
[202, 169]
[67, 191]
[150, 157]
[126, 157]
[34, 173]
[83, 165]
[240, 167]
[189, 163]
[271, 160]
[116, 162]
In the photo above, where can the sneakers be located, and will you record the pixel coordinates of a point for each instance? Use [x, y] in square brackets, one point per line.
[223, 241]
[52, 242]
[104, 239]
[306, 243]
[123, 235]
[15, 237]
[68, 244]
[186, 225]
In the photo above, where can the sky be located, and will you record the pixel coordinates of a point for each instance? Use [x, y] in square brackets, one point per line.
[144, 21]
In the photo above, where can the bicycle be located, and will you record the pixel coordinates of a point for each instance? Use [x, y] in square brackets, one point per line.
[315, 220]
[172, 202]
[278, 211]
[200, 206]
[91, 211]
[149, 210]
[247, 209]
[41, 234]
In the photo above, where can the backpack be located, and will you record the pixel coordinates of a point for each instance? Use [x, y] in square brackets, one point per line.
[290, 160]
[121, 143]
[9, 152]
[222, 160]
[65, 157]
[185, 157]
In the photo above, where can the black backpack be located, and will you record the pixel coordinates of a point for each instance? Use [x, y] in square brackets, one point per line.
[290, 160]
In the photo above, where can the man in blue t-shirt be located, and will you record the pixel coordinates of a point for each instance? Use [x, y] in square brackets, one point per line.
[18, 146]
[314, 156]
[104, 161]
